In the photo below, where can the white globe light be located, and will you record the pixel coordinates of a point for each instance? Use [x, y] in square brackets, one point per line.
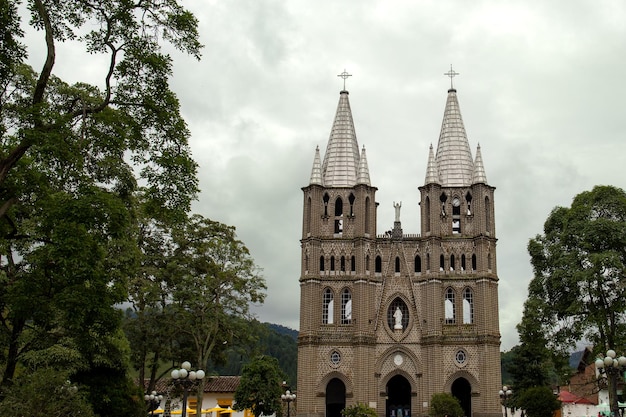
[192, 375]
[611, 353]
[146, 397]
[186, 365]
[621, 361]
[183, 373]
[608, 361]
[199, 374]
[501, 393]
[599, 363]
[175, 374]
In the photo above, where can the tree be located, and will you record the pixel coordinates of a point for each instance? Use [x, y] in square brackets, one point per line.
[260, 387]
[444, 404]
[359, 410]
[539, 402]
[579, 264]
[71, 159]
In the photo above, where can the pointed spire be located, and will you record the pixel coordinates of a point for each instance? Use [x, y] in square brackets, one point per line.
[363, 176]
[479, 168]
[316, 171]
[454, 157]
[432, 176]
[341, 159]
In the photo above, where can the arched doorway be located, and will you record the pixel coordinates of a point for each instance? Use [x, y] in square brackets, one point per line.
[335, 397]
[398, 397]
[462, 390]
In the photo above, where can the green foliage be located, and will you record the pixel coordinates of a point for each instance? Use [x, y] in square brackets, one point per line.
[359, 410]
[42, 393]
[579, 265]
[538, 402]
[260, 387]
[444, 404]
[71, 159]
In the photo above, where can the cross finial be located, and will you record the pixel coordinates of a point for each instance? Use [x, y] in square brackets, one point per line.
[344, 75]
[451, 74]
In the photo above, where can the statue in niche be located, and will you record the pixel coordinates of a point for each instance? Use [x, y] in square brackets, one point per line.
[397, 207]
[398, 316]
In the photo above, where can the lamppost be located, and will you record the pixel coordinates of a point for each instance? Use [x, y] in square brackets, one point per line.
[505, 393]
[288, 397]
[186, 378]
[153, 400]
[611, 367]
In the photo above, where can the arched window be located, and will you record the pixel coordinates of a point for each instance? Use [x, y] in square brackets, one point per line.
[308, 217]
[379, 265]
[351, 201]
[397, 264]
[353, 263]
[468, 200]
[452, 266]
[428, 261]
[367, 263]
[463, 262]
[474, 262]
[338, 215]
[322, 263]
[418, 264]
[450, 310]
[326, 199]
[343, 264]
[327, 307]
[441, 263]
[346, 307]
[468, 306]
[456, 215]
[332, 263]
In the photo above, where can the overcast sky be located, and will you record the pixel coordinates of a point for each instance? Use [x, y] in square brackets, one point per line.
[540, 88]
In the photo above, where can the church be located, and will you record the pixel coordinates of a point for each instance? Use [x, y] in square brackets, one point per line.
[389, 319]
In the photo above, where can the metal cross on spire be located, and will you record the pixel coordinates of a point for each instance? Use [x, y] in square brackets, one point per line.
[344, 75]
[451, 74]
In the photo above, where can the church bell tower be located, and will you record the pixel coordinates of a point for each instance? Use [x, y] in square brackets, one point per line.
[390, 319]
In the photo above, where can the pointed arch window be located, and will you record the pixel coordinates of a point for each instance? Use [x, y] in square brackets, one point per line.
[327, 307]
[322, 264]
[468, 200]
[452, 265]
[449, 307]
[463, 262]
[332, 263]
[397, 265]
[342, 265]
[468, 306]
[418, 264]
[326, 199]
[441, 263]
[456, 216]
[346, 307]
[367, 215]
[353, 263]
[474, 262]
[308, 217]
[379, 265]
[351, 201]
[487, 215]
[367, 263]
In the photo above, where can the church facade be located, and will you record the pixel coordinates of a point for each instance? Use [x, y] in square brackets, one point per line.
[390, 319]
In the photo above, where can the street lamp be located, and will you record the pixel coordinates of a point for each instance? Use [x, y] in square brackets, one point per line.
[153, 400]
[612, 367]
[288, 397]
[186, 378]
[505, 393]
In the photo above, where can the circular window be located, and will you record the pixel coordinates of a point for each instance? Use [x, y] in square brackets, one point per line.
[335, 357]
[460, 357]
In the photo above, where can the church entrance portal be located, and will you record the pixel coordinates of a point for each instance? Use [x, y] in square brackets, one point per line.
[462, 390]
[335, 398]
[398, 397]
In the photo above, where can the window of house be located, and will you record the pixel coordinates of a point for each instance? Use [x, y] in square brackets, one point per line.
[418, 264]
[346, 307]
[450, 310]
[327, 307]
[468, 306]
